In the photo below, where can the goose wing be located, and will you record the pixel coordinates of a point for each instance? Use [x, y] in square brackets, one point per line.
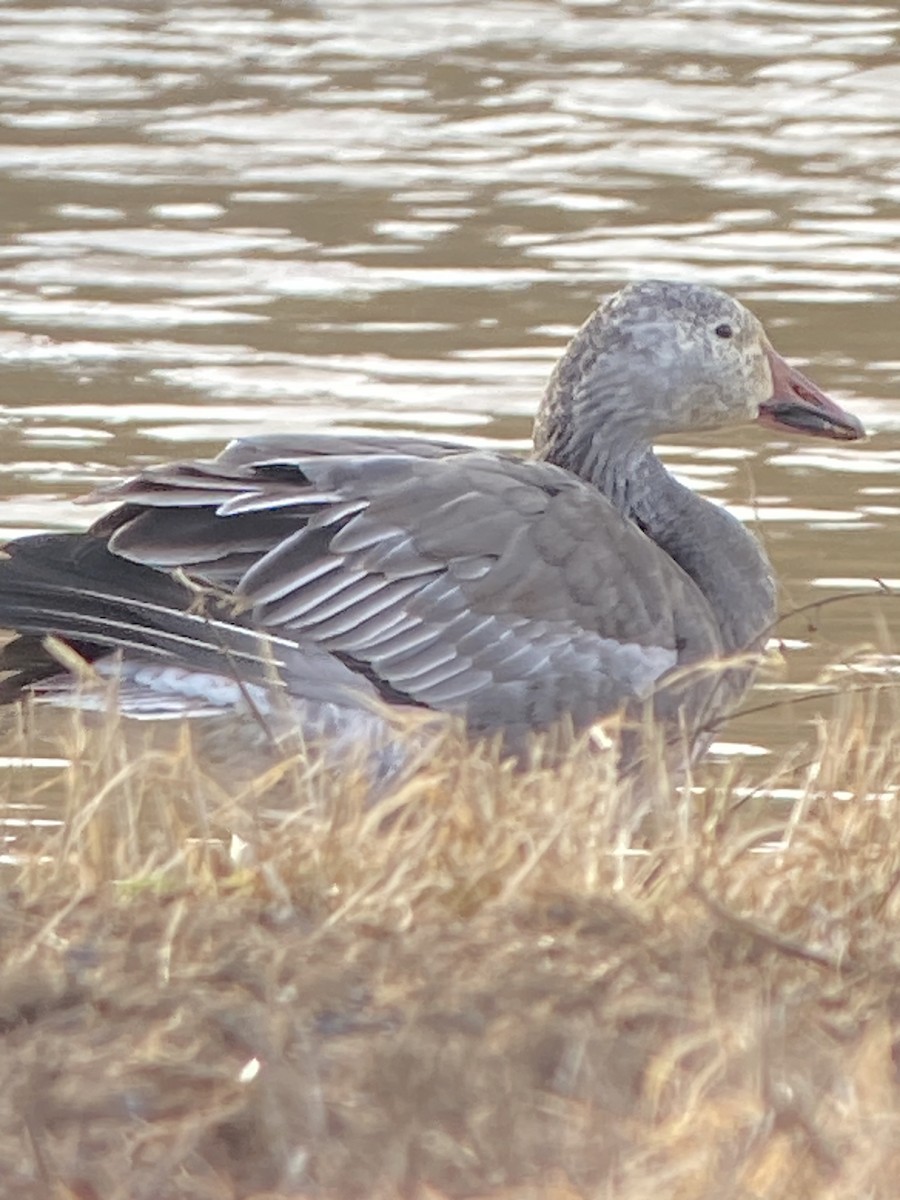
[455, 579]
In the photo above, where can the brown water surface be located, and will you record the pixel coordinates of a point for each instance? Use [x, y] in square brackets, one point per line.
[389, 214]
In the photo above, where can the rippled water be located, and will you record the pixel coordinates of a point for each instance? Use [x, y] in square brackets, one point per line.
[376, 214]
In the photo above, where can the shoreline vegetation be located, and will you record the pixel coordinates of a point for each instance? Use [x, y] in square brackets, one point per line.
[490, 984]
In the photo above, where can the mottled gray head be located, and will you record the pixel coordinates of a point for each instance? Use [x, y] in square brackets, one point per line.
[662, 357]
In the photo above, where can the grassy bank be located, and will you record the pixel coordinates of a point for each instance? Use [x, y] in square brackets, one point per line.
[490, 985]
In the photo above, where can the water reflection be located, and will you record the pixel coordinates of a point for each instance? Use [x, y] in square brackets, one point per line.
[376, 214]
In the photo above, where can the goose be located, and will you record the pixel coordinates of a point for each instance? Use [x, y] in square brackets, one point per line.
[332, 574]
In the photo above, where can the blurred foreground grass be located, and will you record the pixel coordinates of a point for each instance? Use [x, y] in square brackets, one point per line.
[490, 984]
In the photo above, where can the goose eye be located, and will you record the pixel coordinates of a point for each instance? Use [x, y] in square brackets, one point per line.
[724, 331]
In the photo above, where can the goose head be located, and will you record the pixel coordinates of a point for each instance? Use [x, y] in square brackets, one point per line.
[663, 357]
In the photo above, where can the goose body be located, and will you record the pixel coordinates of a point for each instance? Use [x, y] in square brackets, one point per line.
[339, 571]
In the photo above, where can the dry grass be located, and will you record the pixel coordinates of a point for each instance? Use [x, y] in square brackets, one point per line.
[490, 985]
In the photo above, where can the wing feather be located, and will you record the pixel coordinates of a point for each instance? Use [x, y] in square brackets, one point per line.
[392, 632]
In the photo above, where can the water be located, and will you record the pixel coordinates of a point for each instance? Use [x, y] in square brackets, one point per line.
[390, 215]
